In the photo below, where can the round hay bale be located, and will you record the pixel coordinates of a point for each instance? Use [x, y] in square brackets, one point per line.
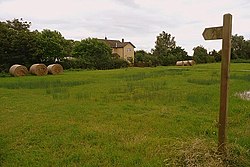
[186, 63]
[244, 95]
[191, 62]
[55, 69]
[39, 69]
[179, 63]
[18, 70]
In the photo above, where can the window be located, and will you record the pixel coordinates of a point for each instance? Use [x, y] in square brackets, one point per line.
[129, 50]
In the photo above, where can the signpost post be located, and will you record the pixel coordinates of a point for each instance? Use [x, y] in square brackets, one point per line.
[224, 33]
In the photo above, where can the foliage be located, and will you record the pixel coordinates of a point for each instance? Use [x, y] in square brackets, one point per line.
[240, 52]
[52, 46]
[166, 50]
[164, 45]
[73, 64]
[176, 54]
[200, 54]
[144, 59]
[17, 44]
[18, 25]
[93, 54]
[240, 61]
[240, 47]
[180, 53]
[216, 55]
[119, 63]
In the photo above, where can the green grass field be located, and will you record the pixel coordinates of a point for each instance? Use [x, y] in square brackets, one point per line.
[163, 116]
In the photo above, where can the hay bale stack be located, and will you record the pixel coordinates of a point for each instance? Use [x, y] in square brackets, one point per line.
[179, 63]
[39, 69]
[186, 63]
[18, 70]
[55, 69]
[191, 62]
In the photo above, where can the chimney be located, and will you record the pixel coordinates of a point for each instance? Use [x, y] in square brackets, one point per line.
[116, 45]
[122, 40]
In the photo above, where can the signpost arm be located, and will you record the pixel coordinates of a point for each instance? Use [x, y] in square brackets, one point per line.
[225, 61]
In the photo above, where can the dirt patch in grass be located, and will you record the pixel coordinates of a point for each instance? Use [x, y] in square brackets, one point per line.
[201, 152]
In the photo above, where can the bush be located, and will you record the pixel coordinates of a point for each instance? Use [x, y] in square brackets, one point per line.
[74, 64]
[210, 59]
[119, 63]
[93, 54]
[82, 64]
[240, 61]
[144, 59]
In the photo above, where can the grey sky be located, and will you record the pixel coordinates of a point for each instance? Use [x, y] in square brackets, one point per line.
[138, 21]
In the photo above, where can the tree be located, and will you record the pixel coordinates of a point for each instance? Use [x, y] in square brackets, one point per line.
[216, 55]
[240, 47]
[246, 48]
[144, 59]
[17, 44]
[180, 53]
[93, 54]
[68, 47]
[18, 25]
[200, 54]
[140, 55]
[164, 46]
[52, 46]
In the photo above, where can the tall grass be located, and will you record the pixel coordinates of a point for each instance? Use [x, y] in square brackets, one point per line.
[200, 152]
[40, 84]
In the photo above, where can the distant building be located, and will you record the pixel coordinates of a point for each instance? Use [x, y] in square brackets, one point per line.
[125, 50]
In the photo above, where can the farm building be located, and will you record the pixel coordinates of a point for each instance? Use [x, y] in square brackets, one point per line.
[125, 50]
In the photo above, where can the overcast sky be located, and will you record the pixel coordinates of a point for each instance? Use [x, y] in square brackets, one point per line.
[137, 21]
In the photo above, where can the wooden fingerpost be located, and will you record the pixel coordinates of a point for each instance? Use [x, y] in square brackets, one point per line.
[224, 33]
[225, 61]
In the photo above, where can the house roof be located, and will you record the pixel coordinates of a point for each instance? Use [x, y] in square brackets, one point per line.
[116, 43]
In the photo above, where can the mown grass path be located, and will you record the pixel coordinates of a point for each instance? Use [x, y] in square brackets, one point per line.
[125, 117]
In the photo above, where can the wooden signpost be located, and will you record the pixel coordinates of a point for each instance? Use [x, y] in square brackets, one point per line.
[224, 33]
[213, 33]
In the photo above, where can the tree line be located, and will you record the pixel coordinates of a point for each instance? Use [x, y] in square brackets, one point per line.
[166, 52]
[240, 52]
[20, 45]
